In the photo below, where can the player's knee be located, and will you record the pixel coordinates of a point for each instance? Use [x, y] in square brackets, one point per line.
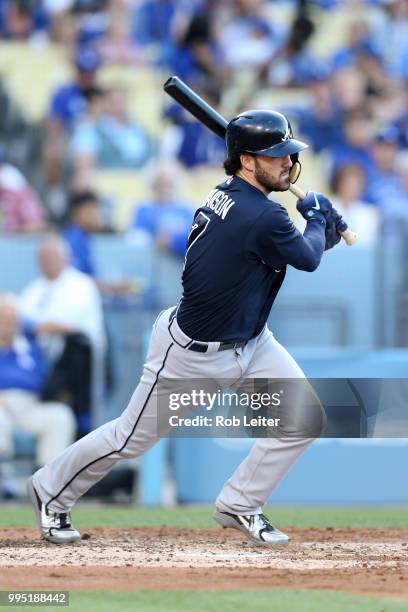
[305, 418]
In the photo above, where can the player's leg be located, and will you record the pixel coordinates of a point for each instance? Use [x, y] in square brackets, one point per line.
[60, 483]
[56, 487]
[270, 458]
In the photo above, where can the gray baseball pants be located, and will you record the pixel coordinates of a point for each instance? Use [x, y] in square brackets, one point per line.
[64, 480]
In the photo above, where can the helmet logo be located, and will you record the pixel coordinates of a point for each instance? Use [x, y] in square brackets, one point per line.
[286, 135]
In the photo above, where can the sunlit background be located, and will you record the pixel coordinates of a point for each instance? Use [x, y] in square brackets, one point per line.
[100, 172]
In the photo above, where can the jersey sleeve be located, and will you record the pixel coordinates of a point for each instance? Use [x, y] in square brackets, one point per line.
[275, 239]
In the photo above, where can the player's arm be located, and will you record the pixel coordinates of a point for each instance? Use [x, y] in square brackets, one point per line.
[276, 240]
[315, 206]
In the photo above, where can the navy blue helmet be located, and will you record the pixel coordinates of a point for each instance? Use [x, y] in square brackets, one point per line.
[264, 132]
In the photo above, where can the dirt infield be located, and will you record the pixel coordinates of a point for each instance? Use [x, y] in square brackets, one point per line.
[371, 561]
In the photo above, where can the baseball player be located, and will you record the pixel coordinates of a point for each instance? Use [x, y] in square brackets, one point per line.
[238, 249]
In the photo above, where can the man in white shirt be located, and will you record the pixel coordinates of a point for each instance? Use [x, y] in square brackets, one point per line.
[63, 300]
[63, 308]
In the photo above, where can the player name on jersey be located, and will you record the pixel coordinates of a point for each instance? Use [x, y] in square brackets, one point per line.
[219, 202]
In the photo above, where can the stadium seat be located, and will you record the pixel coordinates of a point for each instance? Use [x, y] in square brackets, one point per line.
[40, 70]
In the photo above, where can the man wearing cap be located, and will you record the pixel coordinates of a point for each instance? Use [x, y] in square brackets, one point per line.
[384, 187]
[68, 105]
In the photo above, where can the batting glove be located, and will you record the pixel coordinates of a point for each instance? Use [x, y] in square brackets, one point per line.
[314, 206]
[334, 224]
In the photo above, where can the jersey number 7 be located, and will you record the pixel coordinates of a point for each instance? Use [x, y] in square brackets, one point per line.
[198, 228]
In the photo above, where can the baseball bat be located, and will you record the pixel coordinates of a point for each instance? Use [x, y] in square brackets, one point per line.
[201, 110]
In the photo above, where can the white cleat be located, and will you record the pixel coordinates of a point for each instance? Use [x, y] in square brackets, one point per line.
[255, 526]
[53, 527]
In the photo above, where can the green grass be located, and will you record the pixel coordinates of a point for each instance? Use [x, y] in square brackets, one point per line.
[201, 516]
[276, 600]
[228, 601]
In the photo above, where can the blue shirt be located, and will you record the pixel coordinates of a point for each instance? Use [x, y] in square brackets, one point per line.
[321, 132]
[171, 218]
[22, 366]
[385, 190]
[79, 241]
[68, 105]
[238, 249]
[198, 145]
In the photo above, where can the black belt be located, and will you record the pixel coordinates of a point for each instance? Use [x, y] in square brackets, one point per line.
[202, 347]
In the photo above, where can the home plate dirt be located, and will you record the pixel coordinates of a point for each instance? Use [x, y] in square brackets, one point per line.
[368, 561]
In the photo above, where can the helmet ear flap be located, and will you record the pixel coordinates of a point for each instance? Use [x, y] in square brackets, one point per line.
[295, 169]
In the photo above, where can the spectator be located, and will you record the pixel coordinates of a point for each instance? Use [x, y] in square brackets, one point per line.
[401, 123]
[385, 188]
[151, 23]
[165, 218]
[248, 39]
[357, 39]
[292, 64]
[84, 138]
[84, 219]
[62, 300]
[21, 210]
[402, 169]
[91, 19]
[391, 35]
[22, 378]
[348, 186]
[354, 146]
[197, 55]
[63, 307]
[348, 89]
[363, 53]
[377, 83]
[117, 44]
[68, 105]
[319, 120]
[62, 26]
[189, 140]
[108, 138]
[20, 19]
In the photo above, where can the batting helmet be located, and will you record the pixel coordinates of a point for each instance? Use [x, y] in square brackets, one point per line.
[264, 132]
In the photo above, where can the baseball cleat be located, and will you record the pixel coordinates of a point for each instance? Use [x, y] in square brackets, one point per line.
[255, 526]
[54, 527]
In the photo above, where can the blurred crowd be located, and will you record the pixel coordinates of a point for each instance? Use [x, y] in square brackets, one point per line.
[349, 102]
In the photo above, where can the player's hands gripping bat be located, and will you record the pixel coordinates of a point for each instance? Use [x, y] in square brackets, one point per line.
[349, 237]
[332, 232]
[317, 206]
[202, 111]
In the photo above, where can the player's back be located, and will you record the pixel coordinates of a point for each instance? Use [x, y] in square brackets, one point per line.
[227, 289]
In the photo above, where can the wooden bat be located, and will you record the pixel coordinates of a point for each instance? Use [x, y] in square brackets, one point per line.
[191, 101]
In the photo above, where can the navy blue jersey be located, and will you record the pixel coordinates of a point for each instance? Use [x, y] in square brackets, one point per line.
[238, 249]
